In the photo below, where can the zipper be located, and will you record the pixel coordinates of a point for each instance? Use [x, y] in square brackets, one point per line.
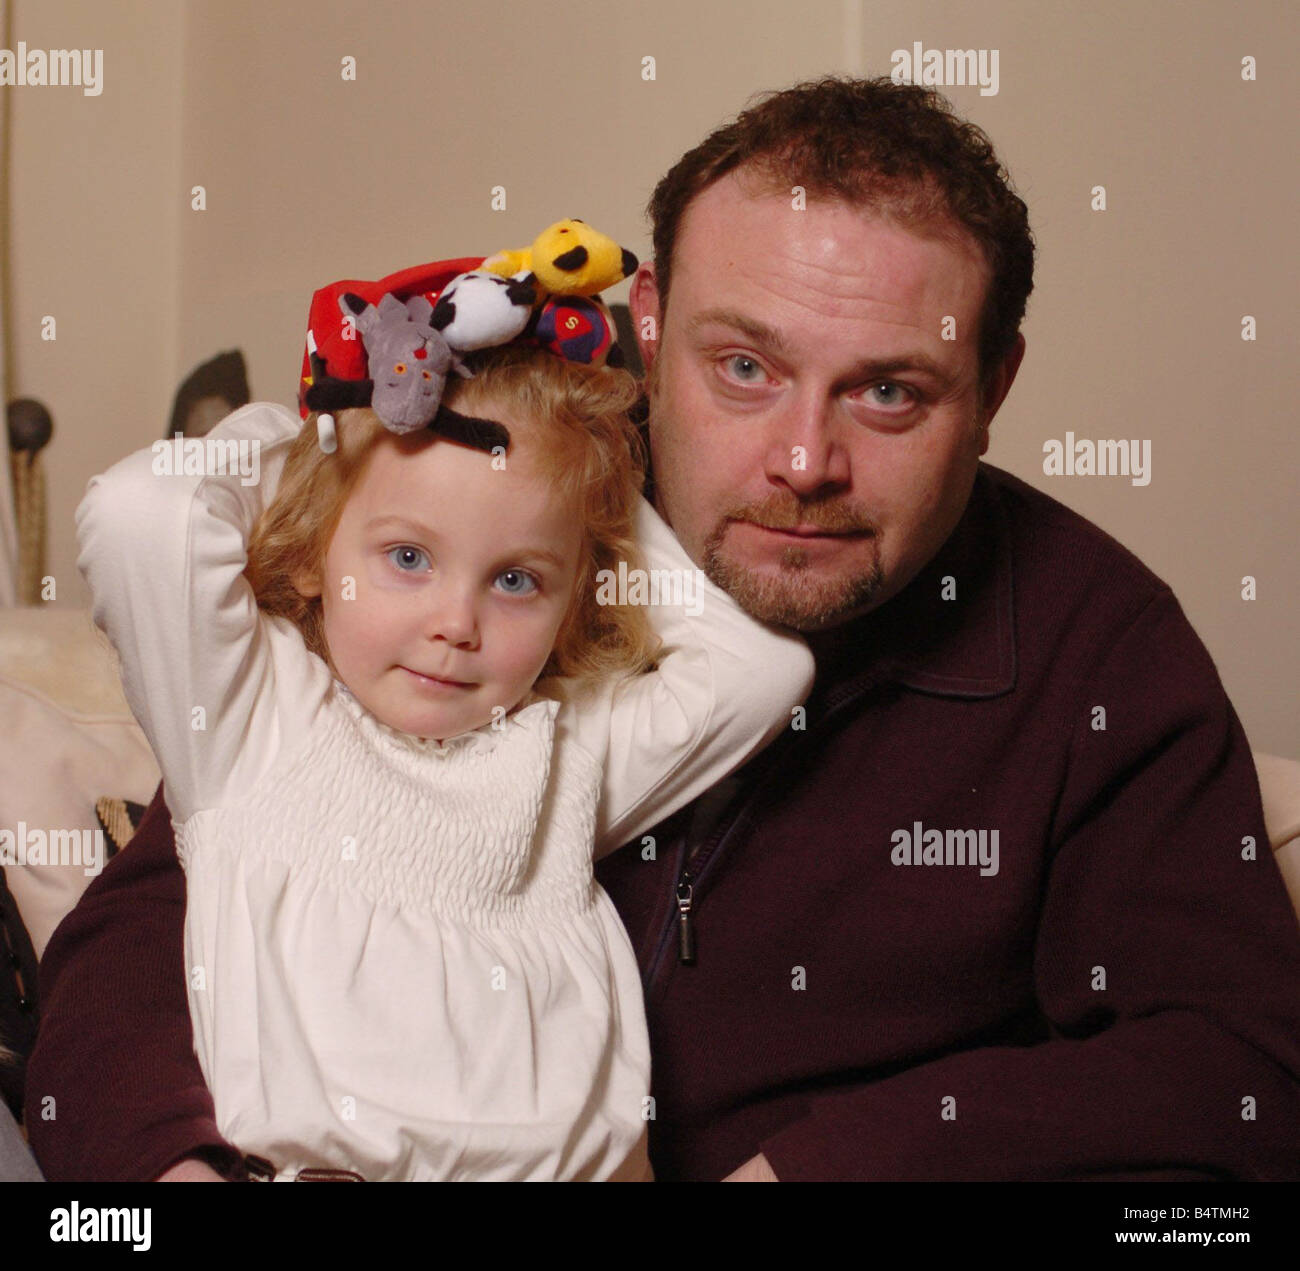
[693, 865]
[684, 900]
[685, 932]
[698, 860]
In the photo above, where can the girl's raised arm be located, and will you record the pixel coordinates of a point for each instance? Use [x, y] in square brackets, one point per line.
[725, 685]
[162, 538]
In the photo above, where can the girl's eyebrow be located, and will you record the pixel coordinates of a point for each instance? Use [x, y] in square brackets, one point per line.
[541, 555]
[405, 521]
[536, 556]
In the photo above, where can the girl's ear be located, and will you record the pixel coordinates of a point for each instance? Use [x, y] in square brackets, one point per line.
[306, 582]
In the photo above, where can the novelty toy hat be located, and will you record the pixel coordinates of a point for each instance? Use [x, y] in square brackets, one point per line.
[391, 344]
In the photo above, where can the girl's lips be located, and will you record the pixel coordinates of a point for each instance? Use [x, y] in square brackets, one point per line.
[437, 681]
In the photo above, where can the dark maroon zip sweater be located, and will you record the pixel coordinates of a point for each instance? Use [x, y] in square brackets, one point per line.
[875, 994]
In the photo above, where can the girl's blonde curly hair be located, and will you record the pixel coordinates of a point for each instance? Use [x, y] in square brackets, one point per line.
[573, 418]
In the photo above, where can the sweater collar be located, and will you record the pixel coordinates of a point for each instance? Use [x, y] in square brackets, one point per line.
[960, 647]
[533, 712]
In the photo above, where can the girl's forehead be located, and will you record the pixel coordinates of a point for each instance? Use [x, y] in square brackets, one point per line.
[436, 477]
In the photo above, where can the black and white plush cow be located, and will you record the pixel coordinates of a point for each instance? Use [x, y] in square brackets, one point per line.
[480, 310]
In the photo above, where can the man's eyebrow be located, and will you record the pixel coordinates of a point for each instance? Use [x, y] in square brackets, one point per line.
[754, 330]
[770, 337]
[875, 368]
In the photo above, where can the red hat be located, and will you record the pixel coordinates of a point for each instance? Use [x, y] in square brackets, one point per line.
[419, 323]
[334, 351]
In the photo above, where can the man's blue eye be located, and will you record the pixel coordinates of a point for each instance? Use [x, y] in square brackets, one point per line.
[745, 368]
[408, 559]
[515, 582]
[896, 393]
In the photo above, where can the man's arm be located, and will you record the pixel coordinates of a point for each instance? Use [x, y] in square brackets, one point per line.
[114, 1090]
[1167, 967]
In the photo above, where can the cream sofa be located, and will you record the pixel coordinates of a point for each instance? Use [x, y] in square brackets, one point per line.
[67, 739]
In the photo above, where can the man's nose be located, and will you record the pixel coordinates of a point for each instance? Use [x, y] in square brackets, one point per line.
[805, 450]
[453, 615]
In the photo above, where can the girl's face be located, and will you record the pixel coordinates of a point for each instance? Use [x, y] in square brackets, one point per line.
[445, 584]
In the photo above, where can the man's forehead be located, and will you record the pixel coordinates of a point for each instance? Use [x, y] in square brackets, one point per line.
[740, 227]
[918, 206]
[830, 271]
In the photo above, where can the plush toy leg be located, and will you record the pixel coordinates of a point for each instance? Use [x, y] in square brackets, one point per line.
[482, 434]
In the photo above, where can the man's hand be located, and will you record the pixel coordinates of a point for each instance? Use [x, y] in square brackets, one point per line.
[190, 1170]
[755, 1170]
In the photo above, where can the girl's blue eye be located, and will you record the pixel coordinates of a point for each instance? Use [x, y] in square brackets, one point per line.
[516, 582]
[408, 559]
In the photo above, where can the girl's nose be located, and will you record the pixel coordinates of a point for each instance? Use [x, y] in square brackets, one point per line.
[453, 617]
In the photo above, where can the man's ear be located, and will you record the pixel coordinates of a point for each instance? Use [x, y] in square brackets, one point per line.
[306, 582]
[643, 301]
[1000, 387]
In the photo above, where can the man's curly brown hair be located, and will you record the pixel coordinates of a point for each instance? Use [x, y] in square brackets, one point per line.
[894, 150]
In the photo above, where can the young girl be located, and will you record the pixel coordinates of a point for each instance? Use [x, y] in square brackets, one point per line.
[393, 722]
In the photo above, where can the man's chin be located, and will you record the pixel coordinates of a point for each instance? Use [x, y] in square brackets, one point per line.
[793, 597]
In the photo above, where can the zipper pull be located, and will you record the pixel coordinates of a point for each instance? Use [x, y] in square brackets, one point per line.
[685, 932]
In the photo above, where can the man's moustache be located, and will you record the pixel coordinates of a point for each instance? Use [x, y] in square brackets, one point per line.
[832, 516]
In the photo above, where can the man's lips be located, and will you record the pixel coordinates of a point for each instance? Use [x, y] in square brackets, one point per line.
[808, 531]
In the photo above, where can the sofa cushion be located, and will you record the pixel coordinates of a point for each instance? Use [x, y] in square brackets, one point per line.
[19, 1001]
[119, 819]
[1279, 783]
[68, 738]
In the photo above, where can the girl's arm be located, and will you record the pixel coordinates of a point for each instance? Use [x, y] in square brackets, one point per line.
[214, 685]
[724, 687]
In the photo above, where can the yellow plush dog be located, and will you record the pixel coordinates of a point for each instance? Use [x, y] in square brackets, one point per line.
[568, 258]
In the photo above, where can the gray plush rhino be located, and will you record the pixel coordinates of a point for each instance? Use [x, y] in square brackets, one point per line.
[409, 360]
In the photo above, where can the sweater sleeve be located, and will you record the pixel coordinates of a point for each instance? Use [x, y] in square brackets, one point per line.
[114, 1090]
[723, 687]
[164, 554]
[1167, 970]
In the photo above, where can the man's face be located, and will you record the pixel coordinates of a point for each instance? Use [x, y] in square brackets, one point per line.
[461, 576]
[814, 435]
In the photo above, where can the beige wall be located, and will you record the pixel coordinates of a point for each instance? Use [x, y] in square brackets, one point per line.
[1133, 330]
[94, 243]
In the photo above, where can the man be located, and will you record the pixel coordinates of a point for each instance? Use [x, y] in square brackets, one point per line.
[999, 904]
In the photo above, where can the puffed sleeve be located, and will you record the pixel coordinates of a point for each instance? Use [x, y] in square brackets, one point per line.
[216, 685]
[724, 686]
